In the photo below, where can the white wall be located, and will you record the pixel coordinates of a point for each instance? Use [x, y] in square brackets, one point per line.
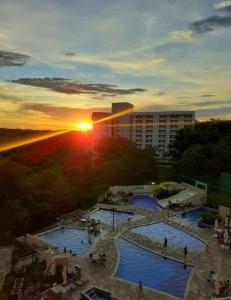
[135, 189]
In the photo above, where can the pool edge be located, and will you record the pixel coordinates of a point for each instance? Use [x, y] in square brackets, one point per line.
[189, 281]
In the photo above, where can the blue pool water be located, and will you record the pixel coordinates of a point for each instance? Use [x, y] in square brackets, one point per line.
[69, 238]
[193, 217]
[176, 237]
[145, 201]
[106, 216]
[138, 264]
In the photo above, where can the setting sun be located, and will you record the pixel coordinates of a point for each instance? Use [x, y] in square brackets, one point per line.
[84, 126]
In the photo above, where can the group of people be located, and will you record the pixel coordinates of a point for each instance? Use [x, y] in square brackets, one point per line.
[78, 272]
[94, 227]
[98, 258]
[221, 288]
[224, 288]
[221, 238]
[65, 251]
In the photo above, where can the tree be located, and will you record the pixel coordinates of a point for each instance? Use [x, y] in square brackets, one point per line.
[204, 149]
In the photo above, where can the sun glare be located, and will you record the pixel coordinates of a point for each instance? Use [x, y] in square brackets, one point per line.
[84, 126]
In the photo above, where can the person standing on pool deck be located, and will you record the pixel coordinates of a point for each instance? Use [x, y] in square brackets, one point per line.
[165, 242]
[165, 247]
[140, 289]
[185, 256]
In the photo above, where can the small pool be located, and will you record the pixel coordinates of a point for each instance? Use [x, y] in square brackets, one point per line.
[192, 217]
[76, 240]
[106, 216]
[96, 294]
[138, 264]
[176, 237]
[145, 201]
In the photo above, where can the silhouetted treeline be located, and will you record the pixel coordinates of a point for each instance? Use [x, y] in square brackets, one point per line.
[43, 180]
[204, 149]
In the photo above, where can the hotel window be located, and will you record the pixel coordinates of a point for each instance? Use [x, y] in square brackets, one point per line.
[148, 146]
[188, 122]
[161, 131]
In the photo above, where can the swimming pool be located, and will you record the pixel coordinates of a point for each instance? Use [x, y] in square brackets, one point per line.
[192, 217]
[75, 239]
[139, 264]
[176, 237]
[96, 294]
[145, 201]
[106, 216]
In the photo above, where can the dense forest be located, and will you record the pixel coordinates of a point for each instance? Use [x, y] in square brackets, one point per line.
[203, 149]
[43, 180]
[203, 152]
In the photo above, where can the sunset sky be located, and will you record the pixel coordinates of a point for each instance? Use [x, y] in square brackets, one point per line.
[61, 60]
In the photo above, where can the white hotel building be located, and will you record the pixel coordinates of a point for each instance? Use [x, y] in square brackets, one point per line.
[145, 129]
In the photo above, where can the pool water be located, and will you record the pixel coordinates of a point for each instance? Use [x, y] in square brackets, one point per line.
[138, 264]
[76, 240]
[193, 217]
[145, 201]
[176, 237]
[98, 294]
[106, 216]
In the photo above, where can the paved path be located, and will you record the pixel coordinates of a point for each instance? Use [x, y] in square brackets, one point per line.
[5, 265]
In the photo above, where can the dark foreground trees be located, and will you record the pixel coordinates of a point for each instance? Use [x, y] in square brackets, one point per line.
[204, 149]
[52, 177]
[204, 152]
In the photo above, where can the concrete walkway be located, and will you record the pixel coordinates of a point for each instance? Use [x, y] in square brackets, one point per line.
[5, 262]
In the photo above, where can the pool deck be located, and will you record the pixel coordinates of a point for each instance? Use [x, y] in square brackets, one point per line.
[217, 259]
[5, 262]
